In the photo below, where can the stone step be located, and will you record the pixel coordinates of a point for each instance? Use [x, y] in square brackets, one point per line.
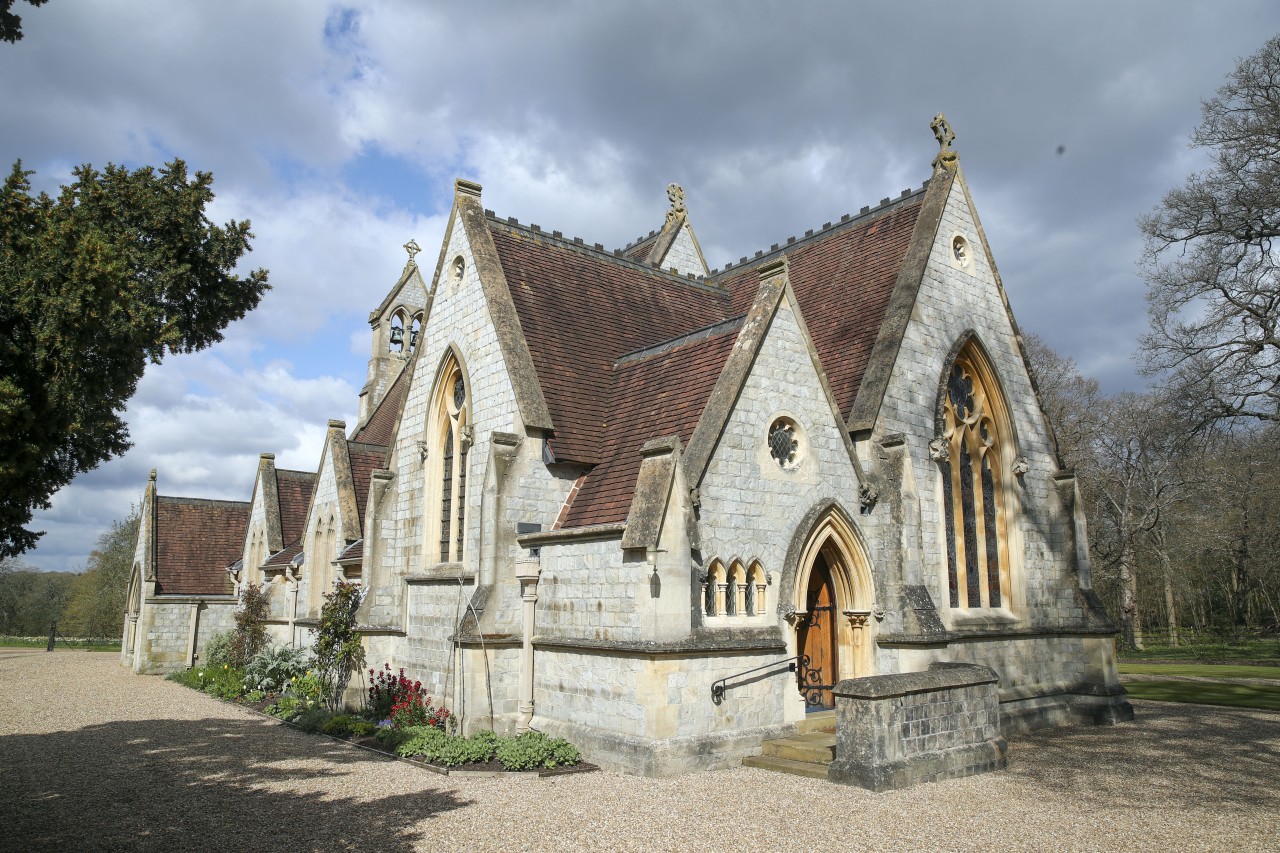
[813, 747]
[786, 765]
[819, 721]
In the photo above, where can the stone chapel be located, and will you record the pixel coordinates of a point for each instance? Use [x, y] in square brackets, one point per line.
[660, 509]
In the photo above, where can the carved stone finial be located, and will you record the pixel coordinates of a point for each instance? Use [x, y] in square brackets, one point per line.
[675, 194]
[412, 248]
[947, 158]
[940, 450]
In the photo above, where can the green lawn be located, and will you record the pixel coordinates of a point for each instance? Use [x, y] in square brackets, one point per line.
[1260, 650]
[84, 645]
[1207, 670]
[1202, 693]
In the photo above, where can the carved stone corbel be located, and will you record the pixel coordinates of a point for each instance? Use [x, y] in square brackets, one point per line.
[867, 498]
[940, 450]
[1021, 466]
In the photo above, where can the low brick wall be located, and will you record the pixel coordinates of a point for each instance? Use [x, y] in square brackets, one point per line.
[895, 731]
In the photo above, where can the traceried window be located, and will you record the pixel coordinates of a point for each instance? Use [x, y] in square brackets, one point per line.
[452, 441]
[972, 454]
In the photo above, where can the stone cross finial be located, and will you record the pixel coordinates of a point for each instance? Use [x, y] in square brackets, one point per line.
[675, 193]
[412, 248]
[942, 132]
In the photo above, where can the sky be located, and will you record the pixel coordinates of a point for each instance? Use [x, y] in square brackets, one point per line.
[338, 130]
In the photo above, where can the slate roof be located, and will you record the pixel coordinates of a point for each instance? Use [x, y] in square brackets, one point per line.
[381, 426]
[581, 310]
[294, 489]
[195, 541]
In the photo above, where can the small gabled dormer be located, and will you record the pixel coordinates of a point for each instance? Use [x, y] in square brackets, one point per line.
[674, 247]
[396, 330]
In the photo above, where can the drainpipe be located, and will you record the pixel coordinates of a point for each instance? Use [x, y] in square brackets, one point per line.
[527, 572]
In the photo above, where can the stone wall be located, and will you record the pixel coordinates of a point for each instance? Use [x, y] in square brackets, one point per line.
[653, 714]
[165, 630]
[895, 731]
[751, 507]
[683, 255]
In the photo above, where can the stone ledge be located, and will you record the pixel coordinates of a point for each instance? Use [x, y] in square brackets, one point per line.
[940, 676]
[691, 645]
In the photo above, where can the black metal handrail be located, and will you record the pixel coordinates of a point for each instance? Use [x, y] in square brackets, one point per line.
[720, 685]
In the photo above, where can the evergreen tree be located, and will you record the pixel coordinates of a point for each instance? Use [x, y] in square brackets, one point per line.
[120, 269]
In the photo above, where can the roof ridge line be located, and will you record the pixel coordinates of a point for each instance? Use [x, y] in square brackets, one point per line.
[577, 244]
[672, 343]
[220, 501]
[865, 214]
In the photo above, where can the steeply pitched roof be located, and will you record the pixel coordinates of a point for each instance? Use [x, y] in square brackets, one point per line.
[380, 428]
[284, 555]
[655, 393]
[580, 309]
[364, 459]
[294, 489]
[195, 541]
[842, 278]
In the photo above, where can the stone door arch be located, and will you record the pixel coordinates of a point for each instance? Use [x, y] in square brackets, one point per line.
[832, 598]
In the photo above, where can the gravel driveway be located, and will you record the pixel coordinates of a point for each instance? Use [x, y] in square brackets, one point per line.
[94, 758]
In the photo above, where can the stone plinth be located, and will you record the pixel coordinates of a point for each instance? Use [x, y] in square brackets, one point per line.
[895, 731]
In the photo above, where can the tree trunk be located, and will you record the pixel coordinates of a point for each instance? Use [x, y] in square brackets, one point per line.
[1130, 620]
[1240, 575]
[1170, 605]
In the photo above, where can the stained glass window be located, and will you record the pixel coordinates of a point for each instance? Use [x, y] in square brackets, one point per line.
[973, 502]
[451, 423]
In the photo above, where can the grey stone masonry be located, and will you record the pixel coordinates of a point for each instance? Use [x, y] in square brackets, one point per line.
[895, 731]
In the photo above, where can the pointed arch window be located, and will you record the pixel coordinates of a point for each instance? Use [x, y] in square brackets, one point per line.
[452, 440]
[974, 453]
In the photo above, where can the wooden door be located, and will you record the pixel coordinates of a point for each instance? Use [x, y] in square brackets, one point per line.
[817, 639]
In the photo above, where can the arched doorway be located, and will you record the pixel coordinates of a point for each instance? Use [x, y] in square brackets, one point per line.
[816, 638]
[832, 598]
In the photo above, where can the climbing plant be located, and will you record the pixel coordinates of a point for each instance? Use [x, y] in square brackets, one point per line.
[337, 649]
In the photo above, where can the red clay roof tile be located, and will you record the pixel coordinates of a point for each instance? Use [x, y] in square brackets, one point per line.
[195, 541]
[652, 396]
[294, 489]
[579, 311]
[380, 428]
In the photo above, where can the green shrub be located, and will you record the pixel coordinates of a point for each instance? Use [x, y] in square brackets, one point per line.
[307, 689]
[270, 670]
[225, 683]
[285, 708]
[187, 678]
[455, 750]
[254, 696]
[250, 634]
[362, 728]
[313, 720]
[419, 740]
[217, 650]
[337, 649]
[390, 736]
[534, 750]
[338, 726]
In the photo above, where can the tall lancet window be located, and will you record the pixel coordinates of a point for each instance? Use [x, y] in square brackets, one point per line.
[975, 459]
[452, 443]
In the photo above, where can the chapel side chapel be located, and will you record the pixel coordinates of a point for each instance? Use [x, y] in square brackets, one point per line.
[588, 485]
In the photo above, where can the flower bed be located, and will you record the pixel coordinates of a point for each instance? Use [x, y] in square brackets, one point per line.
[398, 719]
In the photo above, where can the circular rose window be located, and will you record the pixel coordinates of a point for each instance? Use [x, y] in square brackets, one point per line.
[784, 444]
